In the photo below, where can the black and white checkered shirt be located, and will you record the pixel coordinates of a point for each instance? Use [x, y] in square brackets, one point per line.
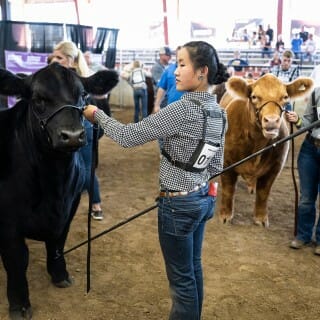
[286, 75]
[180, 124]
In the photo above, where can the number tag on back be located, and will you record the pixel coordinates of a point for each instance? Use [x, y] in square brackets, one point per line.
[203, 155]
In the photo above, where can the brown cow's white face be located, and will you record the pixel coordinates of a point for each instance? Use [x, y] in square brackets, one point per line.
[267, 97]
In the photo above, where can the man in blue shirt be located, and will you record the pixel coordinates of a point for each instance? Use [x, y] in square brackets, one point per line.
[296, 44]
[167, 91]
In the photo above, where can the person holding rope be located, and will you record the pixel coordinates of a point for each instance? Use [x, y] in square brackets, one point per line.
[309, 174]
[193, 131]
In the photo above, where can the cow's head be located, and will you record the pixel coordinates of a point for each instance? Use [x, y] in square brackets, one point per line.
[267, 97]
[55, 96]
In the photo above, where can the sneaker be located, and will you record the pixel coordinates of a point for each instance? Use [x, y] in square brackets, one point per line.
[317, 250]
[97, 214]
[298, 244]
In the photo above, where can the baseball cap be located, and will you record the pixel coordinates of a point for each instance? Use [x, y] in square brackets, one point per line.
[165, 50]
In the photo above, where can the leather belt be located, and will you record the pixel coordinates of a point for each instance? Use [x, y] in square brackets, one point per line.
[168, 193]
[313, 140]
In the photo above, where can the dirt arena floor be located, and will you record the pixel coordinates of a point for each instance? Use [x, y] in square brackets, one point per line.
[250, 272]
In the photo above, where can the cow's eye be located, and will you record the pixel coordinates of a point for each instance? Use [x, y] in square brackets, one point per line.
[254, 98]
[40, 105]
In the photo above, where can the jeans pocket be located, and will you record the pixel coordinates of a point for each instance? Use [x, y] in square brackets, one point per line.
[181, 215]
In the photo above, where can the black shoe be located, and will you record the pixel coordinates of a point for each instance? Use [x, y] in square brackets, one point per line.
[97, 214]
[298, 244]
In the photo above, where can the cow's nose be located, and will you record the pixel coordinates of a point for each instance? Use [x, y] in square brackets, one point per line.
[271, 120]
[72, 138]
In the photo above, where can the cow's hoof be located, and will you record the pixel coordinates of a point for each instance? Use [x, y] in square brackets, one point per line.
[66, 283]
[226, 221]
[22, 314]
[262, 223]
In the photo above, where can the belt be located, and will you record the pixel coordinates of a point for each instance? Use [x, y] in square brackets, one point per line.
[313, 140]
[171, 193]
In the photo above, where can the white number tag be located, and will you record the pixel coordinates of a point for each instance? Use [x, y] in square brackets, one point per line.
[206, 154]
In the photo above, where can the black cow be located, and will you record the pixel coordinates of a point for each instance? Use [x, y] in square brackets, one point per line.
[41, 176]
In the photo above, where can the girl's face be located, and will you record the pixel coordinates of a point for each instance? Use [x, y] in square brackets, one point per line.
[62, 59]
[188, 79]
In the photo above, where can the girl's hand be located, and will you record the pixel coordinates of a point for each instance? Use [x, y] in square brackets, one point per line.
[292, 116]
[89, 112]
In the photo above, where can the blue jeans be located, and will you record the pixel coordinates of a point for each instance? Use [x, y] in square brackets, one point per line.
[86, 152]
[140, 95]
[309, 175]
[181, 225]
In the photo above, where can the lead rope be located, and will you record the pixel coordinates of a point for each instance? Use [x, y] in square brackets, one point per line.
[296, 194]
[139, 214]
[92, 173]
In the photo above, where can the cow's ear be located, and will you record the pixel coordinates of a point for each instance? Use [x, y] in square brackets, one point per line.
[299, 87]
[238, 87]
[101, 82]
[13, 85]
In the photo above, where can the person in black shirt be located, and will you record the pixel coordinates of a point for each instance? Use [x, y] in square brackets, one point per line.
[303, 34]
[269, 32]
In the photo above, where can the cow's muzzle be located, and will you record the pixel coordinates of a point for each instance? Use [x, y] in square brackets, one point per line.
[69, 140]
[270, 123]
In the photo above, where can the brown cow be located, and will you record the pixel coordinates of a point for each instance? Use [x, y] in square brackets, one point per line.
[255, 120]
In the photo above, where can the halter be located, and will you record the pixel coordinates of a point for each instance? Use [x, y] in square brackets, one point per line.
[282, 109]
[43, 121]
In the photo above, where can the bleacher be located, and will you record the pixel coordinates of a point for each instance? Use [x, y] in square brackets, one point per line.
[253, 56]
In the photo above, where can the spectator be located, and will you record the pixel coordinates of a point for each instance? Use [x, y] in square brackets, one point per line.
[310, 48]
[159, 66]
[265, 45]
[237, 63]
[137, 80]
[260, 31]
[101, 101]
[269, 33]
[279, 44]
[167, 91]
[303, 34]
[276, 60]
[67, 54]
[286, 71]
[254, 41]
[245, 36]
[296, 44]
[309, 173]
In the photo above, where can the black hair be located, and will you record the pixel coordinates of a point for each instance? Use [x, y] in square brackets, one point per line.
[204, 54]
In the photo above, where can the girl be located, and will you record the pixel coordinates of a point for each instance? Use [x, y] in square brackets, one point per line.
[193, 131]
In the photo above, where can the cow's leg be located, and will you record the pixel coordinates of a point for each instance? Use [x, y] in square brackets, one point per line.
[228, 186]
[56, 263]
[264, 185]
[15, 258]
